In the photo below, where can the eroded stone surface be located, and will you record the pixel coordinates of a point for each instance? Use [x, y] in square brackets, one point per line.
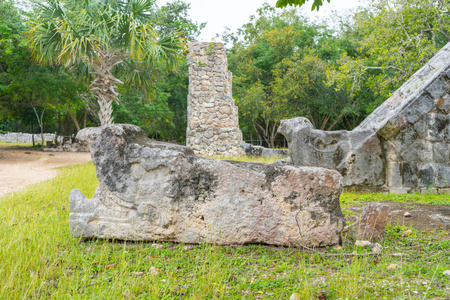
[252, 150]
[150, 190]
[373, 221]
[213, 126]
[403, 146]
[354, 154]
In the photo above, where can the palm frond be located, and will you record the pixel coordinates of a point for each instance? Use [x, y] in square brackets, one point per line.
[141, 10]
[105, 37]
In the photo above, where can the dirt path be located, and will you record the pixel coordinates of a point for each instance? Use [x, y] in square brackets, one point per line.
[21, 167]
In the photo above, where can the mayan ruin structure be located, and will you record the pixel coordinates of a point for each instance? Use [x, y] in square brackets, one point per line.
[213, 126]
[403, 146]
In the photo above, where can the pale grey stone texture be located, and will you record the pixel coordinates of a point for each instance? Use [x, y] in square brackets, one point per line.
[213, 127]
[403, 146]
[151, 190]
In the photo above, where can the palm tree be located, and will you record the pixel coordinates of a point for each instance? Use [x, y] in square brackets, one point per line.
[108, 38]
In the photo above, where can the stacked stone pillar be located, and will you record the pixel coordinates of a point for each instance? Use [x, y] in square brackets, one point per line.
[213, 127]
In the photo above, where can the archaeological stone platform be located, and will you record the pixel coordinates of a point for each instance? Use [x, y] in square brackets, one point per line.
[213, 126]
[156, 191]
[403, 146]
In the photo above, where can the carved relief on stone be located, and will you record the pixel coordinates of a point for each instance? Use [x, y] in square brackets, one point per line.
[151, 190]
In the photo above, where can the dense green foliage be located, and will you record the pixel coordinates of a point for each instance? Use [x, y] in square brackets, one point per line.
[392, 39]
[283, 65]
[26, 86]
[114, 40]
[164, 116]
[279, 63]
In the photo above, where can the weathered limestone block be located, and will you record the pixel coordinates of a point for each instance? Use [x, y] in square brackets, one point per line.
[441, 152]
[404, 138]
[437, 87]
[392, 126]
[372, 222]
[419, 151]
[417, 107]
[442, 175]
[443, 103]
[436, 125]
[355, 154]
[151, 190]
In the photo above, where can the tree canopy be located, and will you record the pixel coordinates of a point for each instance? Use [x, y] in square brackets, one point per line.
[285, 66]
[279, 67]
[72, 106]
[26, 86]
[109, 38]
[392, 39]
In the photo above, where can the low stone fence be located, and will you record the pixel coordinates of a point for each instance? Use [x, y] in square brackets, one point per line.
[19, 137]
[252, 150]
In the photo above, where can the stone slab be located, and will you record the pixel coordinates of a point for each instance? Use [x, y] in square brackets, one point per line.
[151, 190]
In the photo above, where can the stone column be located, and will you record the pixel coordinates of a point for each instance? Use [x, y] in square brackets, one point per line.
[213, 126]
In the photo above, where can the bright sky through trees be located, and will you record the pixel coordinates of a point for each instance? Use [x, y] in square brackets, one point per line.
[234, 13]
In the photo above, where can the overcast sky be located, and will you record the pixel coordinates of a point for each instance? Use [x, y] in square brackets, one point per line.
[234, 13]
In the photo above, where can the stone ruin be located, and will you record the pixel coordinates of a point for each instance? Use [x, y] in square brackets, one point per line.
[213, 126]
[158, 191]
[152, 190]
[19, 137]
[403, 146]
[64, 143]
[260, 151]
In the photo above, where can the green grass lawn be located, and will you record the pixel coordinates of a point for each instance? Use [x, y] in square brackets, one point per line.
[39, 259]
[15, 145]
[349, 199]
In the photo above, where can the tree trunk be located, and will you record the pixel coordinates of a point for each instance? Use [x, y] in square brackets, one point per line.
[257, 132]
[265, 133]
[311, 119]
[104, 85]
[335, 121]
[325, 122]
[105, 112]
[74, 119]
[41, 124]
[58, 117]
[85, 118]
[273, 135]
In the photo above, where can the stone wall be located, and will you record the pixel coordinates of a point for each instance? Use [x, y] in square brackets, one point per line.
[403, 146]
[252, 150]
[212, 115]
[417, 156]
[19, 137]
